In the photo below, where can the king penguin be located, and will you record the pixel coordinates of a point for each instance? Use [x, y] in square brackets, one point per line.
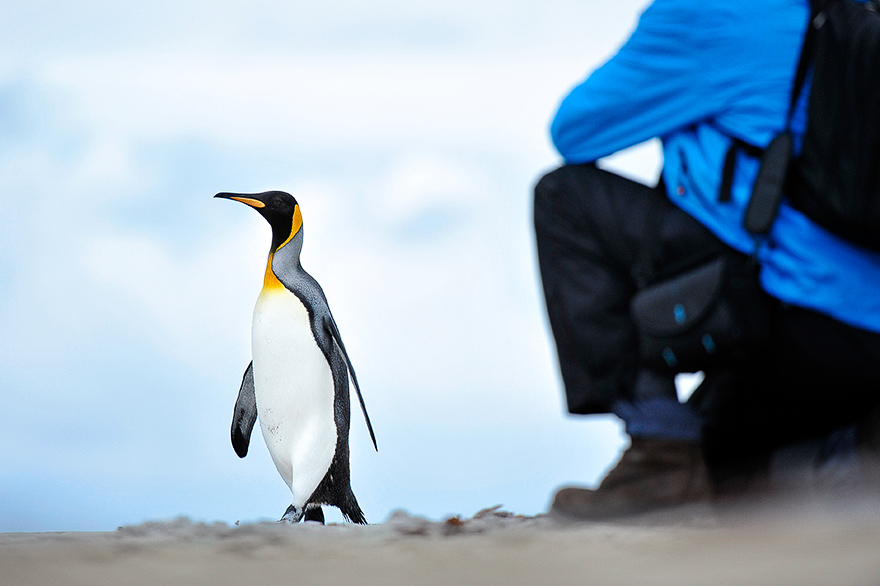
[297, 381]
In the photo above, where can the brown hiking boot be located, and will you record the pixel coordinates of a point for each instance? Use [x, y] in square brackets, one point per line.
[652, 474]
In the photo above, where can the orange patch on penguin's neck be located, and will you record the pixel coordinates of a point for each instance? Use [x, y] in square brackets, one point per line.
[270, 281]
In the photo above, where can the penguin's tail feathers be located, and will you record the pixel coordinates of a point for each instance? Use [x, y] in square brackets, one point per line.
[355, 515]
[351, 510]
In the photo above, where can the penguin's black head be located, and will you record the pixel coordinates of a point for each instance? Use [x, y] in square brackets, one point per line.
[278, 208]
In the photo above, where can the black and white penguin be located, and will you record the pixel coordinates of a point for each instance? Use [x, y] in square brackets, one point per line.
[297, 381]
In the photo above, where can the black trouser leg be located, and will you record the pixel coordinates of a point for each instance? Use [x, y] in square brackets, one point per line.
[591, 229]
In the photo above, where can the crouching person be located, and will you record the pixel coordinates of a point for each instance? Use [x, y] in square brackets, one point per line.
[643, 282]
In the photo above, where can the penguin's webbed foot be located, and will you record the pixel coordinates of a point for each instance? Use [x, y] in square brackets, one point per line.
[309, 513]
[291, 515]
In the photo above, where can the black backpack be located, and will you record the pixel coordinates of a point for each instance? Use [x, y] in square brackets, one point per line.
[835, 180]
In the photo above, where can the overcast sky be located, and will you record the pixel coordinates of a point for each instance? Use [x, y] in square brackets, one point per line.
[411, 133]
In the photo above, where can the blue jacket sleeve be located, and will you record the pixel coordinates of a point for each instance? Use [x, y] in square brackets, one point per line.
[665, 78]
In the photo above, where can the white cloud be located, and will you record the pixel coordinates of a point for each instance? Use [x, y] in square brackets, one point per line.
[314, 102]
[418, 184]
[186, 305]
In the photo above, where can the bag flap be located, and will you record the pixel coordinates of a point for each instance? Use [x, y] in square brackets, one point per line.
[673, 307]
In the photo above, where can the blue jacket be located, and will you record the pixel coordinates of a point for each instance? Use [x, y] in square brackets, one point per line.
[695, 75]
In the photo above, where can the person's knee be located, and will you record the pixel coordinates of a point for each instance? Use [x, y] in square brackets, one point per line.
[558, 194]
[546, 193]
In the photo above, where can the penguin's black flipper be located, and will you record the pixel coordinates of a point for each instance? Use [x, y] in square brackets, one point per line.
[330, 324]
[245, 413]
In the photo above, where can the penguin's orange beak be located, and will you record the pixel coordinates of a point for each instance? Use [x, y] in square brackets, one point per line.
[254, 203]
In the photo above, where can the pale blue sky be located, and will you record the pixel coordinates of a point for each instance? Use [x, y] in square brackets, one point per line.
[411, 133]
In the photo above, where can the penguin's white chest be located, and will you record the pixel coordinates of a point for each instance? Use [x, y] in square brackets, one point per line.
[293, 385]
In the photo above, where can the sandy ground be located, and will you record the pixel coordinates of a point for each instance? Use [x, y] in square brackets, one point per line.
[798, 545]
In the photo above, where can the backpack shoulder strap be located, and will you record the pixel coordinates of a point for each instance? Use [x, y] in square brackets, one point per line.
[761, 211]
[737, 146]
[817, 17]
